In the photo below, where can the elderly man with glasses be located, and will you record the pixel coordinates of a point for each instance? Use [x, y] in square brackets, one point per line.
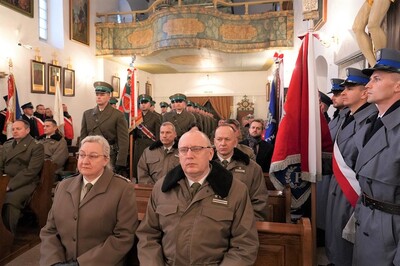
[198, 214]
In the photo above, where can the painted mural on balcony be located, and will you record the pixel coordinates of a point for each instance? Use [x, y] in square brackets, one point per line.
[195, 27]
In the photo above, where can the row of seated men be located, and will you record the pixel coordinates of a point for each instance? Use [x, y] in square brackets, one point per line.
[36, 120]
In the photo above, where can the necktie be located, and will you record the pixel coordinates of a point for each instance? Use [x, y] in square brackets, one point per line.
[224, 163]
[88, 187]
[194, 188]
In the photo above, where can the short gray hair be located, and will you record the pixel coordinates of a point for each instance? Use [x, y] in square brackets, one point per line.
[104, 144]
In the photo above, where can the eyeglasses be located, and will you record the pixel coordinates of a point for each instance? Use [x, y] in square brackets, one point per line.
[194, 149]
[91, 157]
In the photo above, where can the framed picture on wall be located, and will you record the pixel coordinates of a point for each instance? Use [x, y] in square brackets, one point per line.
[38, 75]
[115, 83]
[79, 19]
[68, 82]
[149, 89]
[53, 72]
[24, 7]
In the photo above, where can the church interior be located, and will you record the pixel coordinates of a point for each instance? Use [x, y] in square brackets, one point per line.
[204, 49]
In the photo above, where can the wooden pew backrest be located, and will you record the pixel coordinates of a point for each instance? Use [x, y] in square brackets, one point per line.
[283, 244]
[6, 237]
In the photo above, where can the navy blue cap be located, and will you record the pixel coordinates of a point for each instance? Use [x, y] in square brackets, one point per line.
[325, 98]
[336, 85]
[101, 86]
[387, 60]
[355, 77]
[27, 105]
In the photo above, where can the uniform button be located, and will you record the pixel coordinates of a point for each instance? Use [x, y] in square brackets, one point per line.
[73, 239]
[75, 217]
[369, 180]
[334, 193]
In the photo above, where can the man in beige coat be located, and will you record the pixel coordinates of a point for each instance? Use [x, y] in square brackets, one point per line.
[160, 157]
[242, 168]
[22, 159]
[94, 215]
[198, 214]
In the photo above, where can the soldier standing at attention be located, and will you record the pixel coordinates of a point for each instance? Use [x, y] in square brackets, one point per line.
[146, 133]
[377, 167]
[106, 121]
[339, 206]
[182, 119]
[164, 108]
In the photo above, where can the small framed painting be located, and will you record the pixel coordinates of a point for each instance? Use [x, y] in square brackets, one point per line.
[53, 72]
[68, 82]
[38, 75]
[79, 20]
[24, 7]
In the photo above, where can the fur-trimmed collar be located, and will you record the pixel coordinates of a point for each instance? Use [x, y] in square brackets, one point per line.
[219, 179]
[238, 155]
[56, 136]
[158, 144]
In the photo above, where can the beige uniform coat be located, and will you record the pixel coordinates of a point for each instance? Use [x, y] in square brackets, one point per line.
[23, 164]
[155, 162]
[55, 149]
[217, 227]
[112, 125]
[251, 174]
[99, 230]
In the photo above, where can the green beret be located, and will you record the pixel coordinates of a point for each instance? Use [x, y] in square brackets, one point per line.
[101, 86]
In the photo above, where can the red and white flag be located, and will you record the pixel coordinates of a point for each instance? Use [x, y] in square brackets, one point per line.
[303, 132]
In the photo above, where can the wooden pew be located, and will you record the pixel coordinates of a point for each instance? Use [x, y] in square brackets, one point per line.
[283, 244]
[40, 202]
[6, 237]
[143, 192]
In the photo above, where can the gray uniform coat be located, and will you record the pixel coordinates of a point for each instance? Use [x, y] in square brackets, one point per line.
[23, 164]
[378, 171]
[217, 227]
[99, 230]
[112, 125]
[251, 174]
[338, 211]
[155, 162]
[55, 149]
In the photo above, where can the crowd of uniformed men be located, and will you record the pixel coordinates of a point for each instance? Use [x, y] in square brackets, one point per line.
[196, 180]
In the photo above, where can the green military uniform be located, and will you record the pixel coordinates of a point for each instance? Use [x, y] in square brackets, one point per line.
[182, 121]
[109, 123]
[22, 162]
[152, 122]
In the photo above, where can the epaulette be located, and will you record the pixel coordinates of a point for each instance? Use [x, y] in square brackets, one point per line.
[122, 177]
